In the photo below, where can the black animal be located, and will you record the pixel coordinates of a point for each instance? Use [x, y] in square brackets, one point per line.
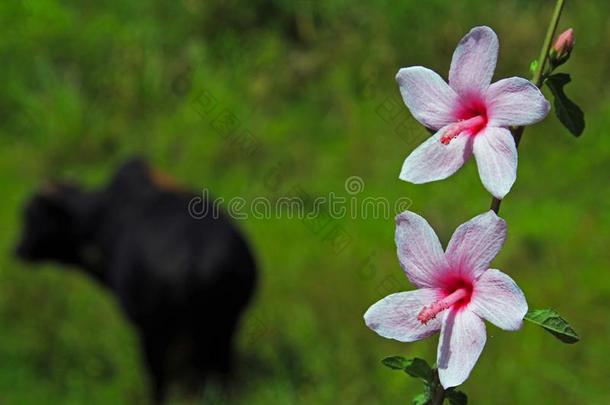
[183, 282]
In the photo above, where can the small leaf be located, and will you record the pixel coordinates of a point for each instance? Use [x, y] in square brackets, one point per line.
[422, 399]
[570, 115]
[550, 320]
[456, 397]
[534, 66]
[415, 367]
[419, 368]
[395, 362]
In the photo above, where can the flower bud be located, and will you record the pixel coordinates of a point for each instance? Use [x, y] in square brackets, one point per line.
[562, 48]
[565, 42]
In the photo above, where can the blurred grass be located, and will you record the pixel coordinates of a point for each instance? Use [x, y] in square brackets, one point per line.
[87, 84]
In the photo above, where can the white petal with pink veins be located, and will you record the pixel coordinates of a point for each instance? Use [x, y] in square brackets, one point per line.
[475, 243]
[434, 160]
[515, 101]
[474, 61]
[419, 251]
[496, 155]
[428, 96]
[498, 299]
[460, 345]
[395, 316]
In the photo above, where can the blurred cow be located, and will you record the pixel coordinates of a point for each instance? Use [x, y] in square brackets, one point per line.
[183, 282]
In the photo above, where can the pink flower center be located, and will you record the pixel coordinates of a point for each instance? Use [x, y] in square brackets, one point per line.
[457, 296]
[461, 126]
[471, 119]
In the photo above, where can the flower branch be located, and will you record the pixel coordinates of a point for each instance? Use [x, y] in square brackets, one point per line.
[456, 290]
[540, 74]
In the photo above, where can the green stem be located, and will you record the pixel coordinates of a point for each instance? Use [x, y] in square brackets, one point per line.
[538, 78]
[438, 396]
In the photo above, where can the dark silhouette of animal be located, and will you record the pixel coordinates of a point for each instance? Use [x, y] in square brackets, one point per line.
[183, 282]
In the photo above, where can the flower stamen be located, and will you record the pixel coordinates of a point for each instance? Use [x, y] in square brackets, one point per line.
[429, 313]
[457, 128]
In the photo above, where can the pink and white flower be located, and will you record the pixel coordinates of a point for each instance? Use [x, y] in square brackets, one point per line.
[456, 291]
[470, 115]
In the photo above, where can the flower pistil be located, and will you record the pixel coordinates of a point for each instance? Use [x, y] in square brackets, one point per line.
[429, 313]
[457, 128]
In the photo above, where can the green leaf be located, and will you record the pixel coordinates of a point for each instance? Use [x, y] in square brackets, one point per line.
[422, 399]
[550, 320]
[415, 367]
[395, 362]
[534, 66]
[570, 115]
[419, 368]
[456, 397]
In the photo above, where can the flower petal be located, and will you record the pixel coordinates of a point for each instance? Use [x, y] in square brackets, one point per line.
[515, 101]
[419, 251]
[496, 155]
[429, 98]
[474, 61]
[433, 160]
[497, 298]
[460, 345]
[475, 243]
[395, 316]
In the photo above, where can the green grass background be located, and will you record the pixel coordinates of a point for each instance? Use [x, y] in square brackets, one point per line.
[87, 84]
